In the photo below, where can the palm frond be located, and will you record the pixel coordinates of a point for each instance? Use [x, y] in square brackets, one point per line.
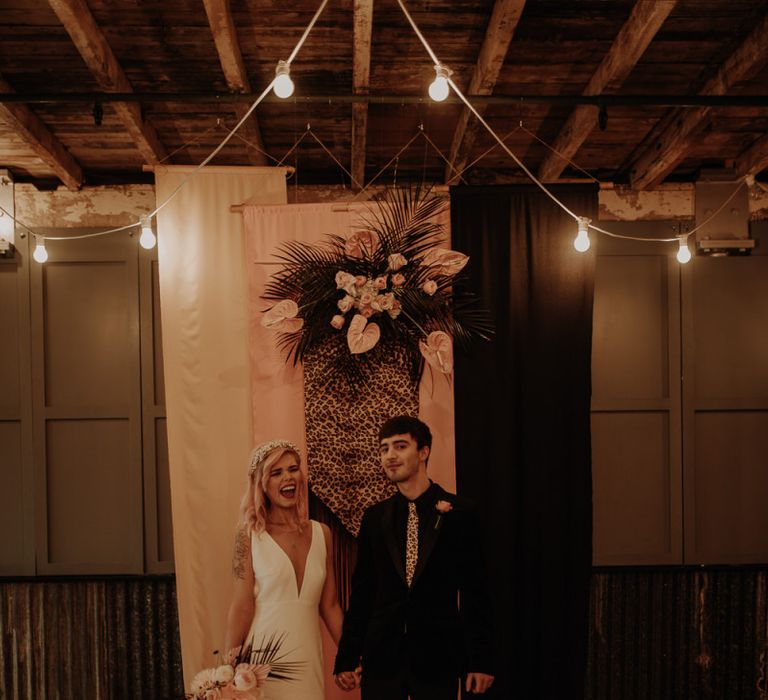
[404, 222]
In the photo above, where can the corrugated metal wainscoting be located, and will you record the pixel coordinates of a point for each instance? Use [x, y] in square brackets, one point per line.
[679, 634]
[99, 638]
[655, 634]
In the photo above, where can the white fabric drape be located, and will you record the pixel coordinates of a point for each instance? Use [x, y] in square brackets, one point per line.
[203, 299]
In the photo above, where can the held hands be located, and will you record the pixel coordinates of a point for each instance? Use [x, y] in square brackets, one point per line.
[478, 682]
[349, 680]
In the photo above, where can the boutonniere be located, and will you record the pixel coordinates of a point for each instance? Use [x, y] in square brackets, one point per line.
[442, 507]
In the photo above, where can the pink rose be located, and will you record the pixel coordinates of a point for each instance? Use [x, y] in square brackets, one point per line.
[212, 694]
[394, 312]
[380, 282]
[345, 304]
[444, 261]
[367, 311]
[224, 674]
[245, 679]
[444, 506]
[337, 321]
[345, 281]
[398, 280]
[429, 287]
[396, 261]
[360, 280]
[366, 298]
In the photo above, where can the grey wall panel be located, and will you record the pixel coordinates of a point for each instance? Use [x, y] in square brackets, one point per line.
[163, 487]
[13, 544]
[91, 494]
[730, 325]
[10, 329]
[89, 334]
[730, 485]
[632, 492]
[630, 338]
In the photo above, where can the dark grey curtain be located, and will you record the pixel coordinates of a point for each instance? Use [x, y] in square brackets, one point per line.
[522, 428]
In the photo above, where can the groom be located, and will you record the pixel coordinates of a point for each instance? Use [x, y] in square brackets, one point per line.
[417, 552]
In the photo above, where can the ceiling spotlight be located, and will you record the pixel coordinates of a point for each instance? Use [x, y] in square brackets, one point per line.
[283, 85]
[40, 254]
[684, 252]
[439, 88]
[147, 238]
[581, 242]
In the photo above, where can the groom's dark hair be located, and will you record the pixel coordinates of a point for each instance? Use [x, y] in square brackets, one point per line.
[400, 425]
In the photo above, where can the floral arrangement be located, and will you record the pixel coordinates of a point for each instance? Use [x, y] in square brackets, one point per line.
[390, 281]
[243, 673]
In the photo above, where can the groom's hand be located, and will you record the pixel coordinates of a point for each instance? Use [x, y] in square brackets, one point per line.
[348, 680]
[478, 682]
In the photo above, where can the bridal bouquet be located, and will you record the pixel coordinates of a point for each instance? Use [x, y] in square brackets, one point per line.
[392, 280]
[244, 672]
[241, 682]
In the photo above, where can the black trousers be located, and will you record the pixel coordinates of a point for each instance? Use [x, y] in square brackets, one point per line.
[405, 687]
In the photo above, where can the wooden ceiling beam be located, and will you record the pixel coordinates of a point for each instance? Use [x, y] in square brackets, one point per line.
[633, 39]
[501, 27]
[231, 59]
[38, 136]
[754, 158]
[669, 143]
[361, 78]
[100, 59]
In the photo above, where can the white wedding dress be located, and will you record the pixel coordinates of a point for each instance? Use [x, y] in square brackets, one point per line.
[284, 611]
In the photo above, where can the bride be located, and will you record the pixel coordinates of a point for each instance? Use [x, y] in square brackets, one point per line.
[283, 570]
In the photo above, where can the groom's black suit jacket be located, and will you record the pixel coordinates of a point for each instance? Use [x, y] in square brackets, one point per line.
[421, 630]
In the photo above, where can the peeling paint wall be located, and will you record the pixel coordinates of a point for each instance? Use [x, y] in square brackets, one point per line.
[117, 205]
[665, 203]
[107, 206]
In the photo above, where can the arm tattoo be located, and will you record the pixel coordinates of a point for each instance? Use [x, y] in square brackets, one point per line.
[240, 558]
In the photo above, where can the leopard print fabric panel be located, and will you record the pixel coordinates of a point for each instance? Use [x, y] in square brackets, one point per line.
[342, 425]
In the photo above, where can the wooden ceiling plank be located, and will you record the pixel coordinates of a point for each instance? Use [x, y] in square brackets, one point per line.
[644, 22]
[103, 64]
[669, 145]
[40, 139]
[361, 76]
[231, 58]
[501, 27]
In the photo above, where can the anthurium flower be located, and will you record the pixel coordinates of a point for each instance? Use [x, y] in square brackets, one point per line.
[438, 351]
[362, 336]
[361, 244]
[444, 261]
[282, 317]
[396, 261]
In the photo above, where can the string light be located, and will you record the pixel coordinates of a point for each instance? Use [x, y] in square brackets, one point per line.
[439, 89]
[683, 252]
[147, 238]
[581, 242]
[41, 254]
[282, 84]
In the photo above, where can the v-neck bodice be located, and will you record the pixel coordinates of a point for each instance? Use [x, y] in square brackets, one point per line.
[299, 585]
[288, 608]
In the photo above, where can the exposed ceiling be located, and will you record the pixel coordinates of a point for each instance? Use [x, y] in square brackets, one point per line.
[683, 84]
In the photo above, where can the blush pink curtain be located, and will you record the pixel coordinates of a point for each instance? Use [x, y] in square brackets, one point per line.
[277, 399]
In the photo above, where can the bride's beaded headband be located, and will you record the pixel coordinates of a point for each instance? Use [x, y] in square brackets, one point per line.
[260, 453]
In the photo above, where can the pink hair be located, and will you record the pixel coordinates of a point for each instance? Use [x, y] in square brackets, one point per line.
[255, 504]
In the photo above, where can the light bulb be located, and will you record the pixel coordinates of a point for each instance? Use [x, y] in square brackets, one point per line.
[683, 252]
[283, 85]
[439, 89]
[581, 242]
[40, 254]
[147, 238]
